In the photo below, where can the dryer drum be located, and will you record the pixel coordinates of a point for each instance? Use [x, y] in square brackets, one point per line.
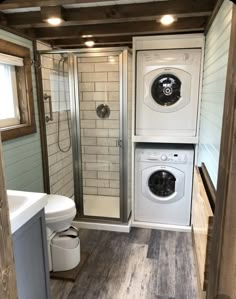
[162, 183]
[166, 89]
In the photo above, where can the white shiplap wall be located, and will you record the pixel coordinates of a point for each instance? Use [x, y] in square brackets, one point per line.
[214, 80]
[22, 156]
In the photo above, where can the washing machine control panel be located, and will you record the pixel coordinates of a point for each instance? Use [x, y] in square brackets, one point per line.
[162, 157]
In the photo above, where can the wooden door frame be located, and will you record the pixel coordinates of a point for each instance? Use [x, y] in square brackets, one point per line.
[8, 288]
[222, 274]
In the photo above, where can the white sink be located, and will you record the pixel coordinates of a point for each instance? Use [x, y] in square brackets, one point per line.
[23, 206]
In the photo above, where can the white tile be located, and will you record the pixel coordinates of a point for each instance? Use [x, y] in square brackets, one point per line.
[88, 141]
[106, 141]
[94, 59]
[86, 86]
[89, 115]
[89, 174]
[108, 158]
[108, 175]
[97, 166]
[86, 67]
[107, 67]
[107, 86]
[96, 150]
[88, 124]
[113, 76]
[94, 77]
[113, 96]
[87, 105]
[114, 184]
[108, 124]
[96, 132]
[89, 158]
[97, 183]
[90, 190]
[108, 191]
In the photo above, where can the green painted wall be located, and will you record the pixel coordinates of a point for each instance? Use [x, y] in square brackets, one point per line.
[22, 156]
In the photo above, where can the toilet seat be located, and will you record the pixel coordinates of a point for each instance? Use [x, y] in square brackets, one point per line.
[58, 206]
[59, 212]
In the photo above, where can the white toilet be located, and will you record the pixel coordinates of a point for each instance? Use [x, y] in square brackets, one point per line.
[63, 241]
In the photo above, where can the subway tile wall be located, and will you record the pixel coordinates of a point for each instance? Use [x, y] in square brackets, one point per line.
[55, 84]
[99, 84]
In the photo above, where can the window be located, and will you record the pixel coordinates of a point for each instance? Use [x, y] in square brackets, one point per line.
[9, 112]
[16, 98]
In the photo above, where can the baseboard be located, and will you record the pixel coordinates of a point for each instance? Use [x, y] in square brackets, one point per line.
[151, 225]
[124, 228]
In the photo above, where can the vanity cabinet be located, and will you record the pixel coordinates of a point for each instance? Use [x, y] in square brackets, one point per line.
[31, 259]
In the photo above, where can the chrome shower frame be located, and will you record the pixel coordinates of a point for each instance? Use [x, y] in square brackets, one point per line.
[122, 52]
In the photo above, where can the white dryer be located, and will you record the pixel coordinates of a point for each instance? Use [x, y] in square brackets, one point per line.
[167, 92]
[163, 184]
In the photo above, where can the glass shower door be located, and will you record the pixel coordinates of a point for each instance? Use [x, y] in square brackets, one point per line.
[100, 131]
[57, 114]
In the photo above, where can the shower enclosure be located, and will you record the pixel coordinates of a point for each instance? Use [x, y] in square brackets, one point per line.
[87, 112]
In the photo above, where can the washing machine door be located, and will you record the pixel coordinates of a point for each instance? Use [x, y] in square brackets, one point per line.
[163, 184]
[167, 89]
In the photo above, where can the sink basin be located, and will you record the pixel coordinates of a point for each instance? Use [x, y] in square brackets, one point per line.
[23, 206]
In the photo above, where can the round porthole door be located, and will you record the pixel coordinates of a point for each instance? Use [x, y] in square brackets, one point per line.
[163, 184]
[167, 90]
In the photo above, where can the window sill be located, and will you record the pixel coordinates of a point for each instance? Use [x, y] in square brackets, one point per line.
[13, 132]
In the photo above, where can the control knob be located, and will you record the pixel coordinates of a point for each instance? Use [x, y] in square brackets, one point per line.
[163, 157]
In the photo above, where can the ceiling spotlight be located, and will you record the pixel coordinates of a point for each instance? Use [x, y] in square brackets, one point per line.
[54, 21]
[53, 15]
[167, 20]
[87, 36]
[89, 43]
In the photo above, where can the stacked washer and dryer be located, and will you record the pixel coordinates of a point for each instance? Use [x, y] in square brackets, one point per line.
[166, 108]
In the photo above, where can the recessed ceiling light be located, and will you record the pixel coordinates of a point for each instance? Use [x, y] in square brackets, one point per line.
[54, 21]
[167, 20]
[89, 43]
[87, 36]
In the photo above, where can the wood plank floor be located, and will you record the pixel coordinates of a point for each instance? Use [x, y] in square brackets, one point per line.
[144, 264]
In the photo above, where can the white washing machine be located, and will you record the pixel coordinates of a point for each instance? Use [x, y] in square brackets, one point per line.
[167, 92]
[163, 184]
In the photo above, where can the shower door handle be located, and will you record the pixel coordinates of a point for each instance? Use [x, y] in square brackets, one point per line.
[119, 143]
[49, 98]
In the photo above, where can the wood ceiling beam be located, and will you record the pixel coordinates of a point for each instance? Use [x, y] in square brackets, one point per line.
[107, 40]
[105, 44]
[16, 4]
[116, 14]
[121, 29]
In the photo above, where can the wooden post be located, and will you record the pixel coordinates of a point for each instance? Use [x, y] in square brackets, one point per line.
[222, 276]
[8, 288]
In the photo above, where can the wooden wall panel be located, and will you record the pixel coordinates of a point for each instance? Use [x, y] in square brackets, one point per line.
[202, 222]
[22, 156]
[7, 270]
[213, 92]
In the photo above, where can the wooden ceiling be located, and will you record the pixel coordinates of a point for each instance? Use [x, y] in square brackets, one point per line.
[110, 22]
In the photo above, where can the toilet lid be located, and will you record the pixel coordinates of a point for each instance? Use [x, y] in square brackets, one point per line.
[58, 205]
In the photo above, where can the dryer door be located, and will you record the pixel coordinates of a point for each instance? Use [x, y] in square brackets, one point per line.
[163, 184]
[167, 89]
